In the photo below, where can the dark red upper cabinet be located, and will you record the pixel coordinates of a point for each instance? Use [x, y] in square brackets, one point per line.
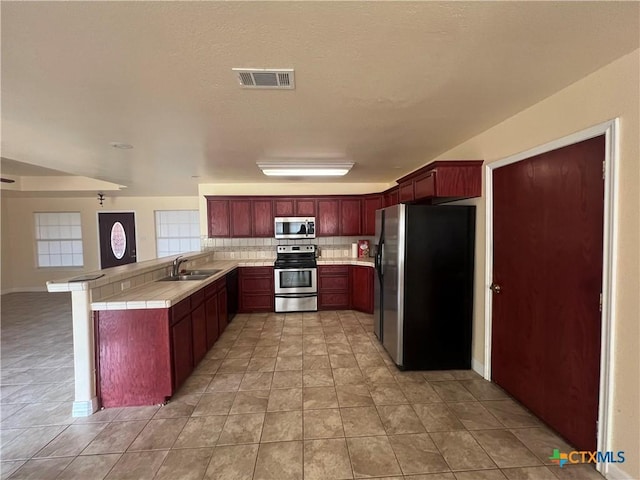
[328, 219]
[305, 207]
[240, 211]
[391, 197]
[424, 186]
[442, 181]
[218, 216]
[294, 207]
[438, 182]
[262, 213]
[370, 204]
[405, 192]
[283, 207]
[350, 216]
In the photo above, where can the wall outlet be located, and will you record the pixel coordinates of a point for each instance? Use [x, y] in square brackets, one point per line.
[125, 285]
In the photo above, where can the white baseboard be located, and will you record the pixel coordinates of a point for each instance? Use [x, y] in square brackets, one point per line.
[23, 289]
[477, 367]
[614, 472]
[85, 408]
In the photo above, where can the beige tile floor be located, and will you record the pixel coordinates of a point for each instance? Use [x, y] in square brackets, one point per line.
[279, 397]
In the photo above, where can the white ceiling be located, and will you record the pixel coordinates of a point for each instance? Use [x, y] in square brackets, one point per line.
[389, 85]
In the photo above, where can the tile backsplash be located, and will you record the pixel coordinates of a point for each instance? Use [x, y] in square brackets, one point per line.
[265, 248]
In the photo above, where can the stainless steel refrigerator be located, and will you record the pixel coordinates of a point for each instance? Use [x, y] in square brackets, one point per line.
[423, 302]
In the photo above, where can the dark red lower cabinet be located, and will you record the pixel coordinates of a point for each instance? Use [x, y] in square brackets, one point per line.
[199, 333]
[362, 288]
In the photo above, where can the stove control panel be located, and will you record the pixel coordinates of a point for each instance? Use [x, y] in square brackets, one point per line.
[296, 249]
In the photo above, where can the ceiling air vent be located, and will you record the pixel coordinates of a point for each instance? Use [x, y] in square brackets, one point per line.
[265, 77]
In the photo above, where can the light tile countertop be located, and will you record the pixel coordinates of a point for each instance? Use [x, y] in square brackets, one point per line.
[159, 294]
[364, 262]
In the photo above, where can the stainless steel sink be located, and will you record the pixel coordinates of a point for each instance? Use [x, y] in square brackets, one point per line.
[190, 275]
[183, 278]
[208, 273]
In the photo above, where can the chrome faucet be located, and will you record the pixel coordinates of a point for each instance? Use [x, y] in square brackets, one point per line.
[175, 268]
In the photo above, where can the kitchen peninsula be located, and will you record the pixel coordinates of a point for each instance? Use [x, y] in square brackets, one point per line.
[136, 339]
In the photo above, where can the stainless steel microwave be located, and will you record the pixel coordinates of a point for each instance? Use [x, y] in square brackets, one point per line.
[295, 227]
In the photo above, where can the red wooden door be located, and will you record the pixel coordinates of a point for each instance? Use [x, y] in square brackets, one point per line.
[548, 222]
[117, 238]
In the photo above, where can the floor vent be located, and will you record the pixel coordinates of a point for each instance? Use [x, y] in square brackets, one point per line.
[265, 77]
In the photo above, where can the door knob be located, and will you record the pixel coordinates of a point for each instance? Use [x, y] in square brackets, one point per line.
[495, 288]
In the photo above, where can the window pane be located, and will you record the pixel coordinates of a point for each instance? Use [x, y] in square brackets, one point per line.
[177, 231]
[76, 246]
[66, 247]
[58, 239]
[54, 247]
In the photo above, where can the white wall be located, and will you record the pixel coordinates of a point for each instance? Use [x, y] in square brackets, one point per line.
[606, 94]
[19, 270]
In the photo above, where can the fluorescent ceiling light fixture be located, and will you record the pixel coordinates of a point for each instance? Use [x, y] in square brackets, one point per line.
[300, 169]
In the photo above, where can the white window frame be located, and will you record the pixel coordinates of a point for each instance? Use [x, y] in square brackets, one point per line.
[58, 239]
[176, 234]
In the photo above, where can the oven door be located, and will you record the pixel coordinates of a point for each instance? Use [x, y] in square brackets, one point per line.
[295, 280]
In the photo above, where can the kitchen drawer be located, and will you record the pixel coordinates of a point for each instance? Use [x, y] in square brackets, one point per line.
[215, 287]
[256, 271]
[197, 298]
[325, 270]
[181, 309]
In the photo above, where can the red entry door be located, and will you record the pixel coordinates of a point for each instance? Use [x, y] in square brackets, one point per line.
[117, 238]
[548, 224]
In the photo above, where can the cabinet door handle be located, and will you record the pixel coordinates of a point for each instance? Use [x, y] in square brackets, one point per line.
[495, 288]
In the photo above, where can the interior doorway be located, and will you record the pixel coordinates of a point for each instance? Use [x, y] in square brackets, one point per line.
[608, 132]
[548, 214]
[117, 234]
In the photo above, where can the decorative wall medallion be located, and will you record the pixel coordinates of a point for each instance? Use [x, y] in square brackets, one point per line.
[118, 240]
